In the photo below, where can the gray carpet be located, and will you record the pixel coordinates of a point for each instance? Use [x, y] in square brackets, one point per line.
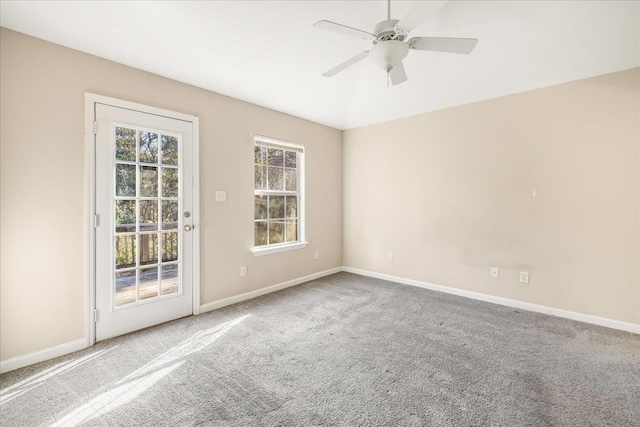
[343, 350]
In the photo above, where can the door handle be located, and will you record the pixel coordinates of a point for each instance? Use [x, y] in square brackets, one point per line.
[188, 227]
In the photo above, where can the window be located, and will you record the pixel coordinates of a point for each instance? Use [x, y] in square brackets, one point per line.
[278, 194]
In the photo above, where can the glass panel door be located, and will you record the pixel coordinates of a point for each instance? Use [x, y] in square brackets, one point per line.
[144, 239]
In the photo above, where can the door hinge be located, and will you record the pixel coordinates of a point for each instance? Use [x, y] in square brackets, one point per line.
[96, 221]
[95, 127]
[95, 315]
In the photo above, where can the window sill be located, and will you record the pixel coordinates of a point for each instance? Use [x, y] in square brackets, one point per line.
[279, 248]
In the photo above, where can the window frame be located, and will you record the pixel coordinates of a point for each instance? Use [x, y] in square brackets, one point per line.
[265, 141]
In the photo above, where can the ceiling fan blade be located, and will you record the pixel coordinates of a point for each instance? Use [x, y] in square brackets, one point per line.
[397, 74]
[335, 70]
[443, 44]
[339, 28]
[419, 12]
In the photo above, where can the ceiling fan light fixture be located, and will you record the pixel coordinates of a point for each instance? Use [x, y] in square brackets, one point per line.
[388, 54]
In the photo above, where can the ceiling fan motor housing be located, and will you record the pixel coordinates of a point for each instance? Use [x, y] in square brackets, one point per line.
[386, 30]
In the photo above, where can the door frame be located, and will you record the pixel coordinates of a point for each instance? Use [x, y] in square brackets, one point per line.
[90, 101]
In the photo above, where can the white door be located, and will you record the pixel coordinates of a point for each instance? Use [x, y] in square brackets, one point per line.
[144, 205]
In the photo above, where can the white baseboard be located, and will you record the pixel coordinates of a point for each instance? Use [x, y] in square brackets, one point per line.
[72, 346]
[586, 318]
[42, 355]
[214, 305]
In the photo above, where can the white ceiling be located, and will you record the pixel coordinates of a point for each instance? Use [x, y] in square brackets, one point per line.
[268, 53]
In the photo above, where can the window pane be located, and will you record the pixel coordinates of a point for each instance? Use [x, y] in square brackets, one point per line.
[125, 144]
[292, 231]
[148, 215]
[276, 217]
[276, 207]
[290, 159]
[260, 207]
[169, 214]
[276, 232]
[125, 216]
[275, 157]
[169, 182]
[169, 150]
[259, 155]
[125, 180]
[125, 288]
[260, 233]
[276, 178]
[258, 176]
[148, 249]
[148, 147]
[125, 251]
[169, 246]
[148, 181]
[148, 283]
[291, 179]
[292, 207]
[169, 279]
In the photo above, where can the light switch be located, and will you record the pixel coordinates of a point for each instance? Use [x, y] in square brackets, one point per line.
[221, 196]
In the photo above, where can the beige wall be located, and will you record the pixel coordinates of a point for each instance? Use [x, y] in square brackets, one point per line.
[450, 193]
[42, 89]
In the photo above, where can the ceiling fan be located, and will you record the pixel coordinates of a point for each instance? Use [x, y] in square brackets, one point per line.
[390, 46]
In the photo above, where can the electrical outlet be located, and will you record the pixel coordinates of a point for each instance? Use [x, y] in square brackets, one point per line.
[243, 270]
[390, 256]
[524, 277]
[221, 196]
[495, 272]
[316, 255]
